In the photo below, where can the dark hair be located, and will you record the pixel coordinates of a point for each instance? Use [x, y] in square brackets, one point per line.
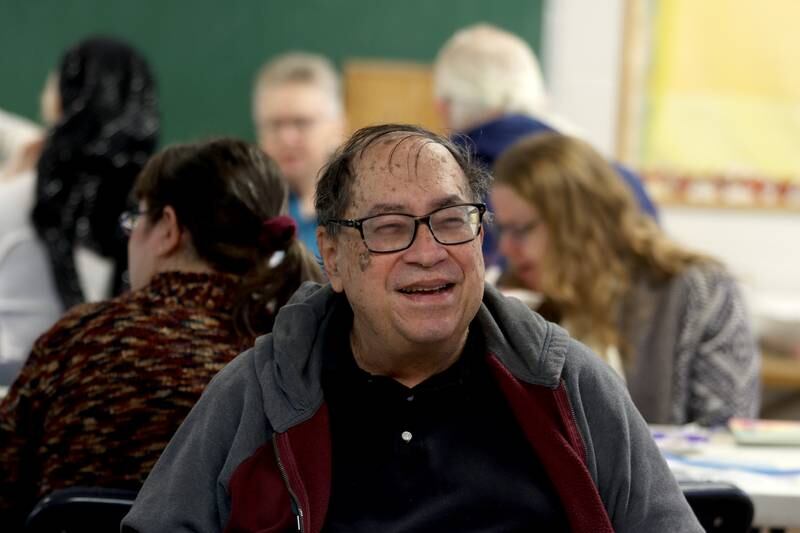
[222, 192]
[335, 186]
[107, 130]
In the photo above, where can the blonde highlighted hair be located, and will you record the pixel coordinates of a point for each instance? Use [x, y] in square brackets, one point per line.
[599, 242]
[301, 68]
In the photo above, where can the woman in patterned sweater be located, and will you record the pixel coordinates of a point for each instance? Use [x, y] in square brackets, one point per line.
[211, 258]
[671, 321]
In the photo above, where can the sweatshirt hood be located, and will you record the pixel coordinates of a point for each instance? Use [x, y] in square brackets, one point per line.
[289, 360]
[533, 349]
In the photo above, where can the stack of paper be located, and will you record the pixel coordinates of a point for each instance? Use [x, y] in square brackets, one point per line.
[777, 432]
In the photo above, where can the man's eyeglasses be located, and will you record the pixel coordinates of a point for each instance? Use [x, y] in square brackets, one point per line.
[299, 124]
[394, 232]
[516, 232]
[127, 220]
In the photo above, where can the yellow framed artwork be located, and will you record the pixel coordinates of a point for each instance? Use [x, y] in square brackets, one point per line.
[710, 101]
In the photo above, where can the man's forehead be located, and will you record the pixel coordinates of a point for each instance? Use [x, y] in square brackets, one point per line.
[391, 167]
[405, 156]
[295, 94]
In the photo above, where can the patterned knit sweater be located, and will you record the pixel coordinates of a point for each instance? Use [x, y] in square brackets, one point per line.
[106, 387]
[695, 358]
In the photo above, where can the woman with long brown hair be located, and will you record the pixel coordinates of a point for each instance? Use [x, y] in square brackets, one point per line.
[212, 256]
[672, 320]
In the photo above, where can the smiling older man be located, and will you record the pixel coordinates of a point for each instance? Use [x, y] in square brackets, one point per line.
[406, 395]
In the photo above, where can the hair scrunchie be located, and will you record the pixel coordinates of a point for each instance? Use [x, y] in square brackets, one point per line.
[278, 232]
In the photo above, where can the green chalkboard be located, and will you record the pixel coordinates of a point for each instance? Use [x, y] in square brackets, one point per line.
[206, 52]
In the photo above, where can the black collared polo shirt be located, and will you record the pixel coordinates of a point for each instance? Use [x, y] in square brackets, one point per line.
[446, 455]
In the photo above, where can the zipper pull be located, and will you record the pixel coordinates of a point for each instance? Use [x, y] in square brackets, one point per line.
[296, 513]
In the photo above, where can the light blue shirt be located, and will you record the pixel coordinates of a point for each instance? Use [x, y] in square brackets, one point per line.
[306, 227]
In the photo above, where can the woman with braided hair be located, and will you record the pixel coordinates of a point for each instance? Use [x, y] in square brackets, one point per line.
[63, 192]
[212, 256]
[102, 103]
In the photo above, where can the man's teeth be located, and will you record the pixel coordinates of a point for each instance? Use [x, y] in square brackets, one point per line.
[418, 290]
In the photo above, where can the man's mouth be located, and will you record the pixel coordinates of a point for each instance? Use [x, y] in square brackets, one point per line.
[427, 290]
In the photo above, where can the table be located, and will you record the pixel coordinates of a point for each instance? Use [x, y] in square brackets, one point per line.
[770, 475]
[782, 372]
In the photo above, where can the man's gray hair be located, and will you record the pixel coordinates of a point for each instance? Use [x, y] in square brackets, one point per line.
[304, 68]
[335, 186]
[483, 70]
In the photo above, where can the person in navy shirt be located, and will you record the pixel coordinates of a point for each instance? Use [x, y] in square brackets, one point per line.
[490, 93]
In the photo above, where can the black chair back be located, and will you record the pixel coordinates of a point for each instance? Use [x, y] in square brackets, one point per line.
[720, 507]
[81, 509]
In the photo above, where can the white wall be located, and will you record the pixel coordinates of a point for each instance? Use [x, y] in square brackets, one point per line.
[581, 59]
[761, 247]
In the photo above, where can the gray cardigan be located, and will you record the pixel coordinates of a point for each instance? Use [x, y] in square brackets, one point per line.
[695, 358]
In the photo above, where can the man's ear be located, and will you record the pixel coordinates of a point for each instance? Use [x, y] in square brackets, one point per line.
[330, 260]
[170, 233]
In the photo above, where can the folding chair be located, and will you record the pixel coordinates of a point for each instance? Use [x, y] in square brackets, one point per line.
[80, 509]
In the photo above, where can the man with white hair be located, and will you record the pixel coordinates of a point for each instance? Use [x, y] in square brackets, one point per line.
[299, 119]
[488, 88]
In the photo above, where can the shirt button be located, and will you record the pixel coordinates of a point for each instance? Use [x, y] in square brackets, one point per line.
[410, 398]
[406, 436]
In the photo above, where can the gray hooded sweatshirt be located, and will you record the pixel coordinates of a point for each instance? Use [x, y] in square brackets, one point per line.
[254, 453]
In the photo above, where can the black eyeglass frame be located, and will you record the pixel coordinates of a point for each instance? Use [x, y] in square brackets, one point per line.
[127, 219]
[358, 223]
[516, 232]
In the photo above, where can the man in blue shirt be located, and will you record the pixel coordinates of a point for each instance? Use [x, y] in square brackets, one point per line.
[299, 119]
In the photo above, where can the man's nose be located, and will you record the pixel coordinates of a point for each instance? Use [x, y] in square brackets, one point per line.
[288, 134]
[425, 250]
